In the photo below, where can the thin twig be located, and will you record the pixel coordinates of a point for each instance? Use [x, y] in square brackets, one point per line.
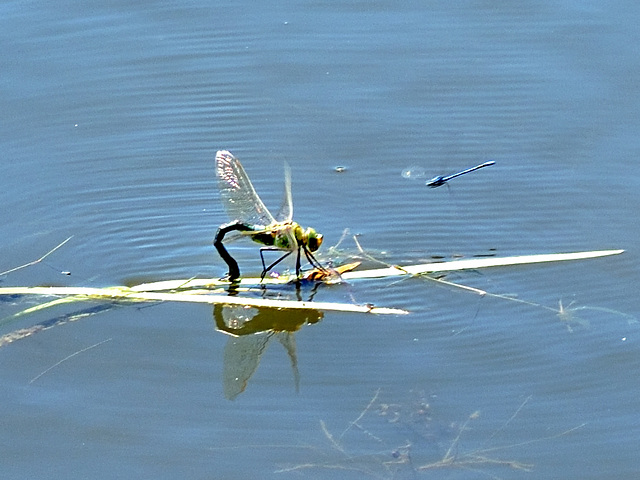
[362, 414]
[38, 260]
[67, 358]
[504, 425]
[529, 442]
[331, 438]
[449, 457]
[448, 283]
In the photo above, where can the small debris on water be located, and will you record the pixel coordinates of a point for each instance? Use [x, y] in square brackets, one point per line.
[413, 172]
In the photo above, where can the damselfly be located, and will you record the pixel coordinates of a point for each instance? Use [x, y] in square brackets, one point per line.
[441, 180]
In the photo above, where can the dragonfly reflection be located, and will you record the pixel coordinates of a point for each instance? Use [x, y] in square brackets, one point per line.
[252, 329]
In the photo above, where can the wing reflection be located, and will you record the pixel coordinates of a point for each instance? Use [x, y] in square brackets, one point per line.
[252, 329]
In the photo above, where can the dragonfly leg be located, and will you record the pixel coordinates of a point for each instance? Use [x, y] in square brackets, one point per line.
[234, 270]
[265, 269]
[312, 260]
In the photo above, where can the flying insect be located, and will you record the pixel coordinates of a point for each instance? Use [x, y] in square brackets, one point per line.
[441, 180]
[252, 219]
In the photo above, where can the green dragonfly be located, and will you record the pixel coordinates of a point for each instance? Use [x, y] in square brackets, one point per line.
[252, 219]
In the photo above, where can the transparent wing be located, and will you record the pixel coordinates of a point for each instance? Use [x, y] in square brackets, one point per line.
[285, 213]
[237, 193]
[241, 360]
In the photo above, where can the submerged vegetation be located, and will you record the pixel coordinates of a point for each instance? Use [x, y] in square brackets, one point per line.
[394, 440]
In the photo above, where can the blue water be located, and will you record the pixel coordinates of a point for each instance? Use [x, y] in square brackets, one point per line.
[111, 117]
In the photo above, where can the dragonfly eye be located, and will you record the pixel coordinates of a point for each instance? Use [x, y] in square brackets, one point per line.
[313, 238]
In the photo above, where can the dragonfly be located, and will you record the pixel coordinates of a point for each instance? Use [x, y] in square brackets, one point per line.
[252, 219]
[441, 180]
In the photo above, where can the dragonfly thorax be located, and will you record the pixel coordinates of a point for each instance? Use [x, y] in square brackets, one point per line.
[287, 236]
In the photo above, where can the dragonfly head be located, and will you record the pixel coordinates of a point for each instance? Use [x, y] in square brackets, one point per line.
[312, 239]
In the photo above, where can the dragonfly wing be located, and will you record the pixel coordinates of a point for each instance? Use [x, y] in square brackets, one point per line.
[238, 195]
[285, 213]
[241, 360]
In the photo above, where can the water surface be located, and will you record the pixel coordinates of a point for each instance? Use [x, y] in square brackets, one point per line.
[111, 117]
